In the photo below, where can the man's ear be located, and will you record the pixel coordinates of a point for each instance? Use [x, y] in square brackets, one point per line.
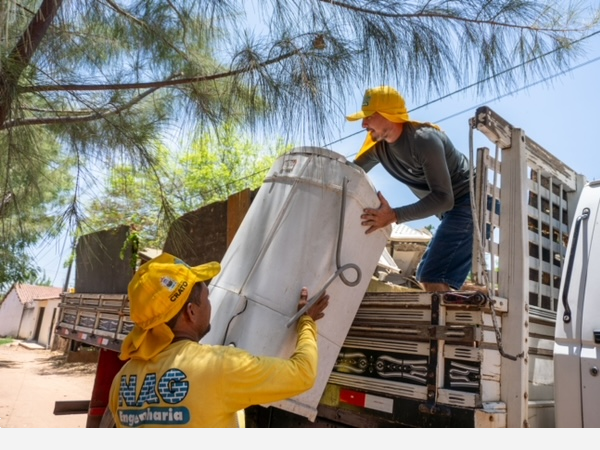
[189, 310]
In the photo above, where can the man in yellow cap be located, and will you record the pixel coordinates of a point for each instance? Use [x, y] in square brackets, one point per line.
[171, 380]
[421, 156]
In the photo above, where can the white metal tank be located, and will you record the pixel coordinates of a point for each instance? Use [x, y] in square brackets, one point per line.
[302, 229]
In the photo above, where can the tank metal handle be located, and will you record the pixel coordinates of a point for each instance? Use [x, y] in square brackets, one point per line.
[340, 268]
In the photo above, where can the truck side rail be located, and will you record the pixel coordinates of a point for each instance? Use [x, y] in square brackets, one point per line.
[100, 320]
[525, 201]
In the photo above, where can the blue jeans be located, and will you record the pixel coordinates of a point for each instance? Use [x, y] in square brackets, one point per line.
[449, 254]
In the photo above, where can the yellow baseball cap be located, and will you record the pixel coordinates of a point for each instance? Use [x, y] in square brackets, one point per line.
[384, 100]
[388, 102]
[157, 292]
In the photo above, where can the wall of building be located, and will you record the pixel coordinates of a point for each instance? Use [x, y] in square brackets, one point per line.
[204, 234]
[50, 315]
[99, 267]
[28, 322]
[11, 310]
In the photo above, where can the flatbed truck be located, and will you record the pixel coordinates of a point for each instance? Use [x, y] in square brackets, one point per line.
[476, 358]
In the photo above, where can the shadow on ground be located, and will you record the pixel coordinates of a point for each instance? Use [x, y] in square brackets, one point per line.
[10, 364]
[58, 365]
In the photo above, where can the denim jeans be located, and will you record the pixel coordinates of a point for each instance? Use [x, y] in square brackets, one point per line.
[449, 254]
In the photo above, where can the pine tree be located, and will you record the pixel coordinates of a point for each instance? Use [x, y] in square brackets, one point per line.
[86, 85]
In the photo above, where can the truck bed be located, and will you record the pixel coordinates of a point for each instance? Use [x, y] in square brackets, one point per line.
[410, 359]
[100, 320]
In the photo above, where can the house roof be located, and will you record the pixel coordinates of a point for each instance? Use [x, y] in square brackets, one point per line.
[404, 233]
[28, 292]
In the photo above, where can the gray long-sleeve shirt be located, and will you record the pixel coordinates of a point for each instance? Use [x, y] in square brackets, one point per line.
[426, 161]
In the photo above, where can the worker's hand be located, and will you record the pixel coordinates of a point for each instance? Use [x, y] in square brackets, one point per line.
[378, 218]
[316, 310]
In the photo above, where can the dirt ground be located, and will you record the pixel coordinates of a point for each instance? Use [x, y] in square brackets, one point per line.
[31, 381]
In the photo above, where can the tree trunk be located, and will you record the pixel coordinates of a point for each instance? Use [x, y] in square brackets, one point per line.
[21, 54]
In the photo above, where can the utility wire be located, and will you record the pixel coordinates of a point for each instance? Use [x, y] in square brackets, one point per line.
[465, 88]
[543, 80]
[485, 80]
[503, 72]
[508, 94]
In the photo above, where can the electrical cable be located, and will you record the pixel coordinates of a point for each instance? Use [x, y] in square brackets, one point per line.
[543, 80]
[484, 80]
[457, 92]
[491, 77]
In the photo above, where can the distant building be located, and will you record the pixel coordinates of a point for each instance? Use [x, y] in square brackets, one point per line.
[29, 312]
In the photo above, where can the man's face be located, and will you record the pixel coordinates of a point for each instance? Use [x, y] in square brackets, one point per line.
[381, 129]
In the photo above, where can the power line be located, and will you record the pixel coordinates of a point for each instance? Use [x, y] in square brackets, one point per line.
[485, 80]
[503, 72]
[543, 80]
[508, 94]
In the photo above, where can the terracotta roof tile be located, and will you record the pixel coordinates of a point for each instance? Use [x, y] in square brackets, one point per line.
[28, 292]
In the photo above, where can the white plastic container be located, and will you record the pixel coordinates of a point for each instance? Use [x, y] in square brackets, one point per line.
[302, 229]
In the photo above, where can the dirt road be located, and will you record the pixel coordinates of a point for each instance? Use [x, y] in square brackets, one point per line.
[31, 381]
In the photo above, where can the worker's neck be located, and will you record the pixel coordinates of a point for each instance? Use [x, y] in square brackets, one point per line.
[394, 133]
[185, 336]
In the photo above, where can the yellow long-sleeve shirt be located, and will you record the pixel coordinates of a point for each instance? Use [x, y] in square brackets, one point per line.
[194, 385]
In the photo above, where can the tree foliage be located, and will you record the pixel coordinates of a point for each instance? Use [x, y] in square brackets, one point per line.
[211, 169]
[106, 82]
[34, 197]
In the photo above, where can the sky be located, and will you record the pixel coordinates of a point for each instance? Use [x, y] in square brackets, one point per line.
[562, 114]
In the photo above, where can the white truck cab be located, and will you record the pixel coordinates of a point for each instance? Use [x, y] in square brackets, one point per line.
[577, 336]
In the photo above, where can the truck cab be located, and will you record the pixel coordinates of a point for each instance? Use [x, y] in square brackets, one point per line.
[577, 344]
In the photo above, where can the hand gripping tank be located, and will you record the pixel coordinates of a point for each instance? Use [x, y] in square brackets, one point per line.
[302, 229]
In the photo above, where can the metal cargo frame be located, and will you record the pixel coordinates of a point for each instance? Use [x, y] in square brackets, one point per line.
[101, 320]
[525, 200]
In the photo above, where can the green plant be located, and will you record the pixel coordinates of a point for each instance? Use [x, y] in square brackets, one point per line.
[132, 242]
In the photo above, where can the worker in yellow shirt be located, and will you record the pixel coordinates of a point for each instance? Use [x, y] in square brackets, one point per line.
[171, 380]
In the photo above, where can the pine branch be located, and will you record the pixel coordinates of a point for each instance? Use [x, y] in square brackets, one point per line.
[424, 14]
[157, 84]
[82, 118]
[146, 26]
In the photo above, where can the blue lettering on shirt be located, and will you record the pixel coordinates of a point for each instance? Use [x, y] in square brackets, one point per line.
[148, 391]
[127, 390]
[154, 416]
[171, 388]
